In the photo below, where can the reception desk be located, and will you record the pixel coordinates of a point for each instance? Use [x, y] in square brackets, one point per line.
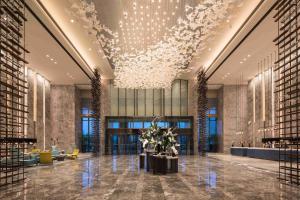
[260, 153]
[238, 151]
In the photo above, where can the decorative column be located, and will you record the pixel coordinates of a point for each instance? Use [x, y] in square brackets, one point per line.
[202, 110]
[96, 111]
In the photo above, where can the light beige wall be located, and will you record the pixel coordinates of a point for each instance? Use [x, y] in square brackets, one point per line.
[38, 101]
[63, 116]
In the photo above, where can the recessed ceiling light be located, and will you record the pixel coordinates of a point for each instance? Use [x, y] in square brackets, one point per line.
[72, 20]
[51, 59]
[227, 20]
[47, 56]
[55, 62]
[241, 62]
[249, 55]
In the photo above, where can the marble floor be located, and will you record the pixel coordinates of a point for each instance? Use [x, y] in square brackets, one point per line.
[216, 176]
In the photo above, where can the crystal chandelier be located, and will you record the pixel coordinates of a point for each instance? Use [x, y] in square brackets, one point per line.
[142, 61]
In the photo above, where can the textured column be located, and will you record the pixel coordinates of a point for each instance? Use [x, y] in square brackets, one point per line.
[63, 123]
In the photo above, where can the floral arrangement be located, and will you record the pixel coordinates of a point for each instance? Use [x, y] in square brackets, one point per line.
[159, 140]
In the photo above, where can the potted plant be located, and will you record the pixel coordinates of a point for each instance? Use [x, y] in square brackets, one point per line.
[161, 141]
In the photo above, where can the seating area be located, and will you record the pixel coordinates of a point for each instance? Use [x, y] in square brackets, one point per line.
[36, 157]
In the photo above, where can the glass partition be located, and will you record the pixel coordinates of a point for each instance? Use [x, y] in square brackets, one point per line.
[121, 134]
[211, 127]
[150, 102]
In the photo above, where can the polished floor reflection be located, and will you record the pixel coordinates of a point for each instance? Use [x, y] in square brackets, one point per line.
[119, 177]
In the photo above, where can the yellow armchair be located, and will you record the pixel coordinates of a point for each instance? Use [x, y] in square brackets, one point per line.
[46, 158]
[73, 155]
[35, 151]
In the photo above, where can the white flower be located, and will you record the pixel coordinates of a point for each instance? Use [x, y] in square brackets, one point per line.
[174, 150]
[145, 143]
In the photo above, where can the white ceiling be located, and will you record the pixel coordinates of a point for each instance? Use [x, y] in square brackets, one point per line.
[224, 34]
[56, 12]
[239, 68]
[47, 58]
[111, 12]
[55, 15]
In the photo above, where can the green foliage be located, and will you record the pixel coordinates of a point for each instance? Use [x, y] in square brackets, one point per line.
[160, 140]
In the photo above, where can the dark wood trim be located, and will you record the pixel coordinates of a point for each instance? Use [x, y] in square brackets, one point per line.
[58, 42]
[235, 35]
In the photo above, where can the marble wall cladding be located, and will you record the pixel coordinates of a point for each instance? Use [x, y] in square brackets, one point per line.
[220, 107]
[260, 118]
[77, 118]
[30, 126]
[48, 128]
[246, 113]
[234, 116]
[39, 128]
[39, 114]
[105, 111]
[63, 111]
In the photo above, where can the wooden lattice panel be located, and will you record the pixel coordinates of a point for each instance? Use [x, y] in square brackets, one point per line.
[288, 89]
[13, 89]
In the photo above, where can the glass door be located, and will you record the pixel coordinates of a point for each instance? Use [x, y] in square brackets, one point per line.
[211, 131]
[87, 134]
[183, 141]
[115, 144]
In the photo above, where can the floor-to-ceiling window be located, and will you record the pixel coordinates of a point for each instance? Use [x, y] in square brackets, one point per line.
[150, 102]
[122, 133]
[212, 135]
[86, 126]
[138, 108]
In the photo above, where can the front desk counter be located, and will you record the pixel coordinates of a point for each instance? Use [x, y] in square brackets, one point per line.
[260, 153]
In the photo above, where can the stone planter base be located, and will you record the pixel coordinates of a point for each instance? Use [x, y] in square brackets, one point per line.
[142, 160]
[158, 164]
